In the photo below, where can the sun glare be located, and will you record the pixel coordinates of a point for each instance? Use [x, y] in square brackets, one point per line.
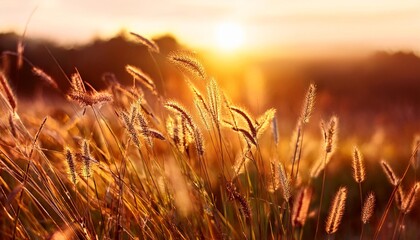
[229, 36]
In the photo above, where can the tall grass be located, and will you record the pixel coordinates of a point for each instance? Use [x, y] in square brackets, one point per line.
[119, 165]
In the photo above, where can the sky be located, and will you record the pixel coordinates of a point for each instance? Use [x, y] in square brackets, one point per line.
[269, 26]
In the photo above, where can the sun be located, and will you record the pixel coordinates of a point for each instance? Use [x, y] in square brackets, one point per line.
[229, 36]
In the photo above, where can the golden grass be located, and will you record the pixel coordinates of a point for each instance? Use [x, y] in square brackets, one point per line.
[117, 165]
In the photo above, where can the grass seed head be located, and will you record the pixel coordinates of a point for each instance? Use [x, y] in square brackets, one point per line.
[359, 172]
[368, 208]
[308, 105]
[411, 198]
[336, 212]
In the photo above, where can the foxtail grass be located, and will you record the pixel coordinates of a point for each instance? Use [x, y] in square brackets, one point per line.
[189, 63]
[367, 211]
[330, 136]
[336, 212]
[121, 163]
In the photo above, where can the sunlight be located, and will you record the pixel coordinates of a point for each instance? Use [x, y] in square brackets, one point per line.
[229, 36]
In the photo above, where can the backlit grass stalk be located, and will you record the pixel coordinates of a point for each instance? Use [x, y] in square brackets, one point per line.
[336, 212]
[8, 91]
[359, 174]
[330, 136]
[25, 179]
[367, 211]
[300, 209]
[406, 207]
[307, 109]
[188, 62]
[45, 77]
[388, 206]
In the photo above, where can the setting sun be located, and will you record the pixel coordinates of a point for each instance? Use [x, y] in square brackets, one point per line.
[229, 36]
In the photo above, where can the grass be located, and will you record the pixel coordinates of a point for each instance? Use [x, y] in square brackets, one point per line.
[115, 164]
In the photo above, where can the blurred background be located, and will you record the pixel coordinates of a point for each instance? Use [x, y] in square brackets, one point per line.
[362, 55]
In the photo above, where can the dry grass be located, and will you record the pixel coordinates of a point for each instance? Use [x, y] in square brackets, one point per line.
[113, 166]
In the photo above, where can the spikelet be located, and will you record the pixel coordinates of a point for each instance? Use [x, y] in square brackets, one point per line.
[214, 100]
[330, 134]
[197, 136]
[142, 77]
[44, 77]
[301, 207]
[133, 114]
[79, 94]
[247, 135]
[179, 136]
[171, 129]
[155, 134]
[358, 167]
[186, 61]
[77, 83]
[368, 208]
[187, 132]
[178, 108]
[410, 199]
[12, 125]
[284, 182]
[336, 211]
[8, 91]
[130, 128]
[86, 99]
[274, 180]
[199, 141]
[416, 151]
[393, 179]
[143, 126]
[231, 191]
[170, 126]
[234, 195]
[264, 121]
[245, 207]
[71, 166]
[151, 45]
[399, 197]
[247, 118]
[308, 105]
[99, 98]
[40, 129]
[87, 159]
[296, 145]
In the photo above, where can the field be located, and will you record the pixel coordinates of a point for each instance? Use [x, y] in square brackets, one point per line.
[136, 161]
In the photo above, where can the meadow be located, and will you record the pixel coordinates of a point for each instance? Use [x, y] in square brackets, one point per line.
[131, 162]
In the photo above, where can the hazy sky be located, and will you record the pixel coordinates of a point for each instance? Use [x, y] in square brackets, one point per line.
[276, 24]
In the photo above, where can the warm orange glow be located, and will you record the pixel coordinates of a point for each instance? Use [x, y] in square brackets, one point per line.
[264, 28]
[229, 36]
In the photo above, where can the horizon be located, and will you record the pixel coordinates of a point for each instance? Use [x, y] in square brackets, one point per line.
[266, 29]
[290, 55]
